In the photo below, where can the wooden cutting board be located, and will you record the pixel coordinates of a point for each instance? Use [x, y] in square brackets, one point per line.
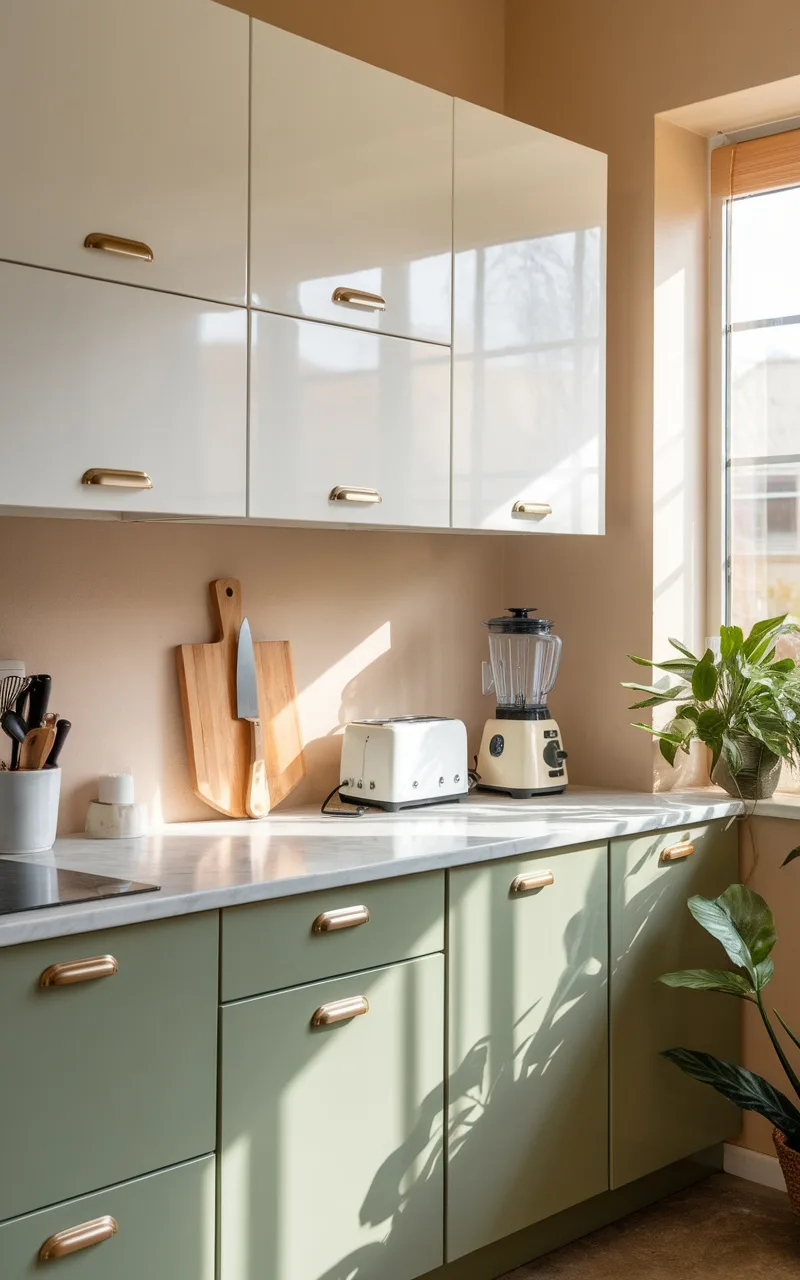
[218, 742]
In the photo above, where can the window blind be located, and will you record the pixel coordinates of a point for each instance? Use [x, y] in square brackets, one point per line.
[761, 164]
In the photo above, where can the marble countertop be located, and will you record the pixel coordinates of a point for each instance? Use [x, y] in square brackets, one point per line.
[203, 866]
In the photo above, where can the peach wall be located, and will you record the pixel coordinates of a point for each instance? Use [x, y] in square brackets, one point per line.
[456, 46]
[379, 623]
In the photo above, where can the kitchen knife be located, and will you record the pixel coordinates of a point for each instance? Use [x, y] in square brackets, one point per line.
[62, 729]
[38, 700]
[256, 795]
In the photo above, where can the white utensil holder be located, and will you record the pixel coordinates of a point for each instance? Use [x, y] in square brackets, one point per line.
[28, 810]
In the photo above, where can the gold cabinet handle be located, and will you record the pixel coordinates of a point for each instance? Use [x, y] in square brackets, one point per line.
[77, 1238]
[351, 493]
[68, 972]
[531, 509]
[109, 478]
[345, 297]
[118, 244]
[675, 852]
[342, 918]
[340, 1011]
[532, 880]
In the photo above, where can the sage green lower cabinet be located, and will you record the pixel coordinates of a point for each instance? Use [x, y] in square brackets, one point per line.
[331, 1135]
[164, 1231]
[528, 1042]
[659, 1115]
[112, 1076]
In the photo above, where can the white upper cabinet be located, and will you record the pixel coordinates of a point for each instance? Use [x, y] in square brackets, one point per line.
[126, 122]
[528, 328]
[105, 388]
[351, 191]
[347, 427]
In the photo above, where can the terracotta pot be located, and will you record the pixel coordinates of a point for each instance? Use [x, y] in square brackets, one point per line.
[759, 775]
[790, 1165]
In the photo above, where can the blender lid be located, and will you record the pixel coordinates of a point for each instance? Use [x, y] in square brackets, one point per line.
[520, 624]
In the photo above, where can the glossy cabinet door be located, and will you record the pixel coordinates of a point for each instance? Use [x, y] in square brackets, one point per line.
[109, 1075]
[129, 122]
[331, 1135]
[100, 377]
[528, 1042]
[336, 408]
[164, 1231]
[528, 328]
[658, 1114]
[351, 190]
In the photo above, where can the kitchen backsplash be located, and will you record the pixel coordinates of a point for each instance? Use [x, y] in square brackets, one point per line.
[379, 623]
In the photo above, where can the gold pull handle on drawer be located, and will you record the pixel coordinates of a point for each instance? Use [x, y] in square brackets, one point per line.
[77, 1238]
[352, 493]
[342, 918]
[118, 244]
[340, 1011]
[532, 880]
[345, 297]
[531, 509]
[677, 851]
[68, 972]
[110, 478]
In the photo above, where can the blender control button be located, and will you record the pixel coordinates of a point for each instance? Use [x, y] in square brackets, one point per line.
[551, 733]
[556, 773]
[496, 745]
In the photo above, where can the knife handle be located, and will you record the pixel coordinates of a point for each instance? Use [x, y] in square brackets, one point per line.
[38, 701]
[257, 795]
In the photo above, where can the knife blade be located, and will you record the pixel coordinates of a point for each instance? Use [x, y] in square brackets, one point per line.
[256, 796]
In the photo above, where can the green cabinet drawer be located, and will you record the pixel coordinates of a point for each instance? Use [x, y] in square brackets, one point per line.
[528, 1044]
[156, 1228]
[111, 1077]
[658, 1114]
[331, 1136]
[267, 946]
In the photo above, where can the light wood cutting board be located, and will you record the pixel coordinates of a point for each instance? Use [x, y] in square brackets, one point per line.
[218, 742]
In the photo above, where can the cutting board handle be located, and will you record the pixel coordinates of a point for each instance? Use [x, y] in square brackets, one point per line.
[226, 599]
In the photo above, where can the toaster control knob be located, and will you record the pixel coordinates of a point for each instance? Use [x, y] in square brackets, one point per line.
[359, 784]
[457, 778]
[372, 786]
[441, 782]
[415, 784]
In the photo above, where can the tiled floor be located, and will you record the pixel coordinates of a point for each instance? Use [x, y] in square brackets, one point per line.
[720, 1229]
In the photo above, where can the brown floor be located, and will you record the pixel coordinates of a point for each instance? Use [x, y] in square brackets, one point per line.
[722, 1227]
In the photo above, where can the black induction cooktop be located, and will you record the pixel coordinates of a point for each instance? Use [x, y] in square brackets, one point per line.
[25, 886]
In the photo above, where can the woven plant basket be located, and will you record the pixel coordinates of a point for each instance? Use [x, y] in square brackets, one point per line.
[790, 1165]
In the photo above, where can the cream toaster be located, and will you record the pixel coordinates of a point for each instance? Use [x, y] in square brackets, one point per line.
[404, 761]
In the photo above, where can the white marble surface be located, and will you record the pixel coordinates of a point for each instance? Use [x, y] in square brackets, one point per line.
[203, 866]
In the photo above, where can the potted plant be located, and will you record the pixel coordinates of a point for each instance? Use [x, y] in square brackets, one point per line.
[741, 920]
[744, 705]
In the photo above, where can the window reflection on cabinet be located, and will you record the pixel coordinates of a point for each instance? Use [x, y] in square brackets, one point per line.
[529, 331]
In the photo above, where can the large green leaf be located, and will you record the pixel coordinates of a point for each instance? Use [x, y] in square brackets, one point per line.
[669, 750]
[741, 920]
[761, 635]
[704, 679]
[733, 754]
[742, 1087]
[731, 640]
[675, 666]
[711, 725]
[790, 857]
[722, 980]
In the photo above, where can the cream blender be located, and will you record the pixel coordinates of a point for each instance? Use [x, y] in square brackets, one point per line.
[521, 752]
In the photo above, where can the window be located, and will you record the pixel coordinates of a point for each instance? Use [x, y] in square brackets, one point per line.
[759, 185]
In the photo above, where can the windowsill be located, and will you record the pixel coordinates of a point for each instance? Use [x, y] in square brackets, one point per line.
[784, 804]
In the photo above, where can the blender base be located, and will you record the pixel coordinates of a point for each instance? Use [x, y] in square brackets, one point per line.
[518, 793]
[522, 758]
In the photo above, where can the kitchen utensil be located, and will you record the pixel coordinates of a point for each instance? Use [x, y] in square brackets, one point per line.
[521, 752]
[29, 810]
[38, 700]
[36, 748]
[219, 743]
[404, 761]
[13, 682]
[256, 795]
[62, 729]
[20, 707]
[14, 726]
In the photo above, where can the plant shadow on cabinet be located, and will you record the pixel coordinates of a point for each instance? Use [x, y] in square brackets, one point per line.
[333, 1149]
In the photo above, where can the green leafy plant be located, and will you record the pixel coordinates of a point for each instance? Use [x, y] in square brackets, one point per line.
[741, 920]
[745, 693]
